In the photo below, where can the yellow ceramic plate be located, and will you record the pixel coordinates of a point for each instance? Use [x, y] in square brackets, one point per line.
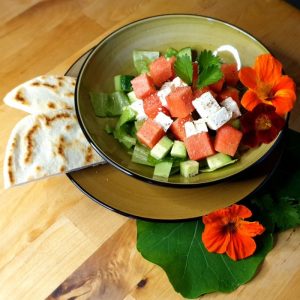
[113, 55]
[123, 194]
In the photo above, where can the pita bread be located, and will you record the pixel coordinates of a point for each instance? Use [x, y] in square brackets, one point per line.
[43, 94]
[46, 144]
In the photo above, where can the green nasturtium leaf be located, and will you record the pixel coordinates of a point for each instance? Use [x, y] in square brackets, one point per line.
[191, 269]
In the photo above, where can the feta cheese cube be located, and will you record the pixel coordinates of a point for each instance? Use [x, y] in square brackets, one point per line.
[219, 118]
[163, 120]
[177, 82]
[200, 125]
[206, 105]
[163, 93]
[189, 129]
[138, 107]
[232, 106]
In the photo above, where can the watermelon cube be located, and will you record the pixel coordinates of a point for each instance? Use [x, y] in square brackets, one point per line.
[231, 74]
[180, 102]
[143, 86]
[217, 87]
[152, 106]
[161, 70]
[199, 146]
[199, 92]
[227, 140]
[150, 133]
[230, 92]
[177, 127]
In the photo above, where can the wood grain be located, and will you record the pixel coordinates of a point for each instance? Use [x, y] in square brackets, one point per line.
[55, 242]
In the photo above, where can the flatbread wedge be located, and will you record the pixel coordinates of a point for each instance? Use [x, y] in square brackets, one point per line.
[43, 94]
[46, 144]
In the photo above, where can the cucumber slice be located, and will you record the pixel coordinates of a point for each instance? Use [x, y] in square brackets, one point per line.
[132, 97]
[127, 115]
[189, 168]
[218, 161]
[140, 155]
[162, 148]
[100, 103]
[163, 169]
[185, 51]
[119, 100]
[170, 52]
[123, 83]
[178, 149]
[141, 60]
[236, 123]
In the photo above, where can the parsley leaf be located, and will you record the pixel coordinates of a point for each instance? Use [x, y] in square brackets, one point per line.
[209, 69]
[184, 68]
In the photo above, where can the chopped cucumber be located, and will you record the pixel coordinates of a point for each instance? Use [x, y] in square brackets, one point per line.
[141, 60]
[185, 51]
[189, 168]
[100, 103]
[140, 155]
[236, 123]
[162, 148]
[132, 97]
[163, 169]
[127, 115]
[170, 52]
[178, 149]
[119, 101]
[123, 83]
[218, 161]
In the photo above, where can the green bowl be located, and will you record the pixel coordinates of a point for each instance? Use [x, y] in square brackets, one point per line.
[113, 55]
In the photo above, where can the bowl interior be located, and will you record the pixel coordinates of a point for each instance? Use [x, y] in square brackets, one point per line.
[113, 56]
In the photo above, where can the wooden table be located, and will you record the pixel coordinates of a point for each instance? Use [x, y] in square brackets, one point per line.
[54, 241]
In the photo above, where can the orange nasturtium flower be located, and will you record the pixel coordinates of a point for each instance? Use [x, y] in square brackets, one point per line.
[266, 84]
[226, 231]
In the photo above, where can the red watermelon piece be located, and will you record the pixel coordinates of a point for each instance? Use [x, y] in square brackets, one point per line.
[161, 70]
[197, 93]
[231, 74]
[180, 102]
[230, 92]
[143, 86]
[199, 146]
[152, 106]
[227, 140]
[217, 87]
[195, 75]
[177, 127]
[150, 133]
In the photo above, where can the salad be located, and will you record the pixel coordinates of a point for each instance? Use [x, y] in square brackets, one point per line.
[181, 113]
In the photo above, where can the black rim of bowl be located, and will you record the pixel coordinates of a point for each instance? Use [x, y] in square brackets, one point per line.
[136, 175]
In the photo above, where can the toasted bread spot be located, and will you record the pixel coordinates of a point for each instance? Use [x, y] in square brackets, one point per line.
[61, 146]
[70, 94]
[51, 86]
[36, 83]
[51, 105]
[67, 107]
[10, 173]
[69, 127]
[89, 155]
[38, 168]
[57, 117]
[20, 97]
[30, 143]
[62, 169]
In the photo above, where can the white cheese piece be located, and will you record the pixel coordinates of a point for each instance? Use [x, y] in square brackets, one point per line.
[219, 118]
[138, 107]
[189, 129]
[163, 93]
[206, 105]
[232, 106]
[200, 125]
[163, 120]
[177, 82]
